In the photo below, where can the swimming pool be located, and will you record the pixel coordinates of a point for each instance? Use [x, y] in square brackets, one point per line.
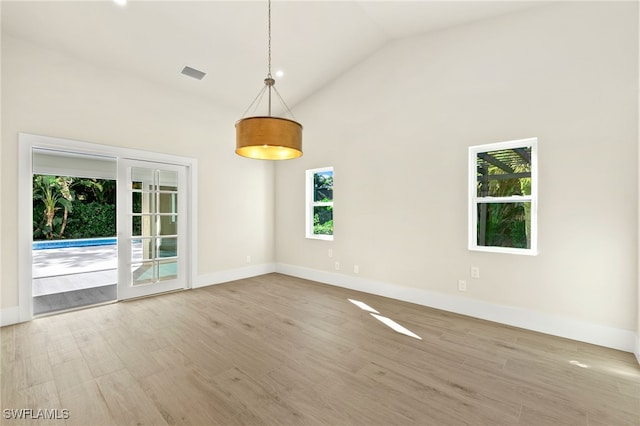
[84, 242]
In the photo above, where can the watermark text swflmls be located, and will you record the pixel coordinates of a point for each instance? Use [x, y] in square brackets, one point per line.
[35, 413]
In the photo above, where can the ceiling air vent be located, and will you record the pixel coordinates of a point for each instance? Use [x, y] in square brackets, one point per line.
[193, 73]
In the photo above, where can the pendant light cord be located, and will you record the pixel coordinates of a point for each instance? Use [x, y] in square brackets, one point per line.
[269, 30]
[269, 81]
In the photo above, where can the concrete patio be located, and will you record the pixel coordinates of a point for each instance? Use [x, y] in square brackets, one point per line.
[67, 269]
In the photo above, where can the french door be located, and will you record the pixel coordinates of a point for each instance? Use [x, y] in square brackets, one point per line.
[152, 228]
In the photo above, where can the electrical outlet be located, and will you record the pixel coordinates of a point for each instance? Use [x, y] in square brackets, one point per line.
[356, 269]
[337, 265]
[248, 259]
[462, 285]
[475, 272]
[330, 253]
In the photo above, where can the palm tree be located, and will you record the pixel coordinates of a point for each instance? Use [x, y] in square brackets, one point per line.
[55, 192]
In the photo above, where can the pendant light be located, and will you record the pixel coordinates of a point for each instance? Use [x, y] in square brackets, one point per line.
[268, 137]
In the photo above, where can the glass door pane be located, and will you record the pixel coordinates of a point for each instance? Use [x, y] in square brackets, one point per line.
[154, 194]
[155, 231]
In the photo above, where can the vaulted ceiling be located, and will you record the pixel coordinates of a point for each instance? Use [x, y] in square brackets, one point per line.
[312, 41]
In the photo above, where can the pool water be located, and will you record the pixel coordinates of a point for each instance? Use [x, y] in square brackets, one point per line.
[85, 242]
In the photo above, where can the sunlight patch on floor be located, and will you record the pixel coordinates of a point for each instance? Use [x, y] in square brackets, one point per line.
[385, 320]
[363, 306]
[395, 326]
[578, 364]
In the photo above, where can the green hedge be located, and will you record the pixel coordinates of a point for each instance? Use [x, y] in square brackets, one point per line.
[91, 220]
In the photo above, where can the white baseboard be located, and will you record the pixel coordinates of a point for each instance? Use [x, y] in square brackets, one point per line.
[9, 316]
[233, 274]
[637, 351]
[557, 325]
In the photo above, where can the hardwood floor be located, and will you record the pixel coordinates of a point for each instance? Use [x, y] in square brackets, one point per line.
[280, 350]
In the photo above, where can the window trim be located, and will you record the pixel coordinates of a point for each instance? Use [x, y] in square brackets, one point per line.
[310, 204]
[474, 200]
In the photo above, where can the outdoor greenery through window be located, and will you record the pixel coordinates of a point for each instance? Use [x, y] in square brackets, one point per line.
[319, 211]
[503, 197]
[66, 207]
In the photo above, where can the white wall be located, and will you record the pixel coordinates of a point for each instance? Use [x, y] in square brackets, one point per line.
[49, 93]
[397, 129]
[1, 175]
[637, 347]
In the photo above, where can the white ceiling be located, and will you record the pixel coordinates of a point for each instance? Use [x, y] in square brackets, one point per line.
[312, 41]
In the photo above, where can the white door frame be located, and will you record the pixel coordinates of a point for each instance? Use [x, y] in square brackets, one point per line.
[27, 142]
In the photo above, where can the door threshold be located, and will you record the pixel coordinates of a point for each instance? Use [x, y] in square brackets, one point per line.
[96, 305]
[77, 308]
[146, 296]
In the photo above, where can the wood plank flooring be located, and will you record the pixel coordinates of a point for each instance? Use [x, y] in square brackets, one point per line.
[279, 350]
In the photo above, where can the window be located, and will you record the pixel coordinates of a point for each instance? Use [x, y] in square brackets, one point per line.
[503, 194]
[319, 221]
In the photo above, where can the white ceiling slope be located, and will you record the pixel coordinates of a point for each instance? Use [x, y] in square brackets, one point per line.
[312, 41]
